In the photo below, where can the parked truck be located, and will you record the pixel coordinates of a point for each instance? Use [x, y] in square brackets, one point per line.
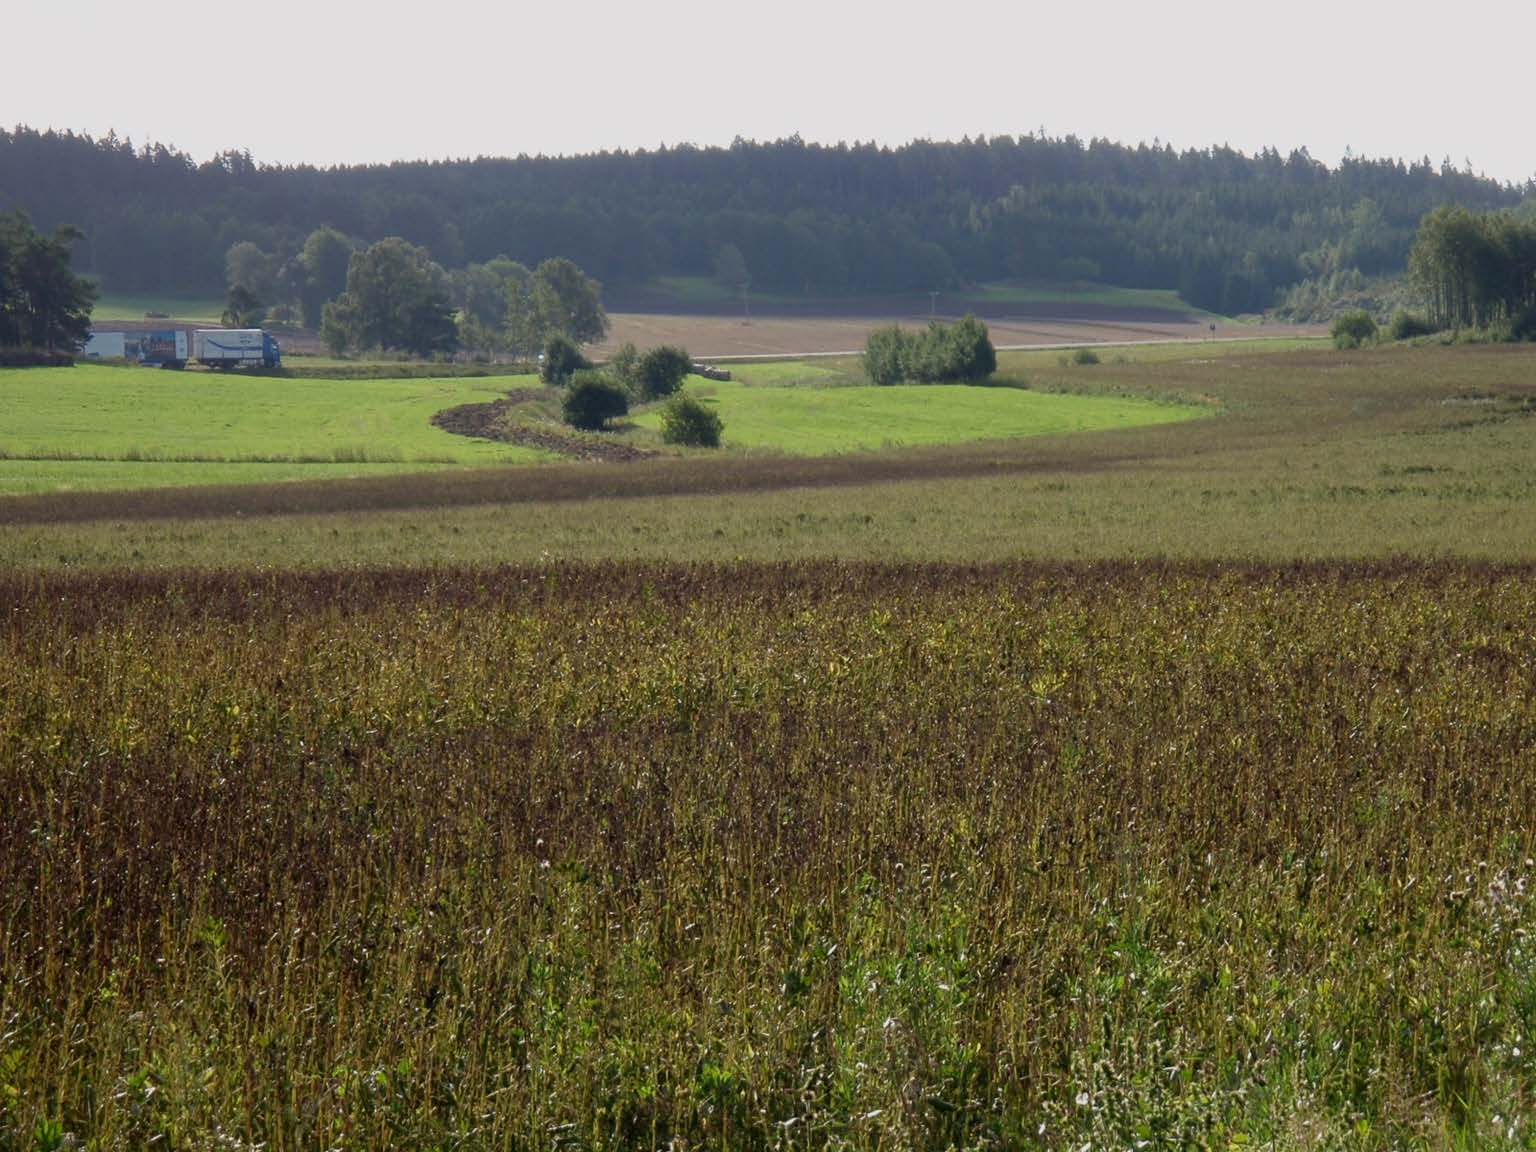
[171, 348]
[167, 348]
[233, 347]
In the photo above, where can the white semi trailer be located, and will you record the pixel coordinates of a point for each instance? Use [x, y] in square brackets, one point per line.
[234, 347]
[170, 348]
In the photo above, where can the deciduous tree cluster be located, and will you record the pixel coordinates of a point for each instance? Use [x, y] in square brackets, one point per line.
[396, 300]
[944, 354]
[1478, 270]
[45, 308]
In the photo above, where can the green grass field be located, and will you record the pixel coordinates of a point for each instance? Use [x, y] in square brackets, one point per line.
[1102, 295]
[189, 310]
[103, 427]
[141, 427]
[686, 291]
[817, 421]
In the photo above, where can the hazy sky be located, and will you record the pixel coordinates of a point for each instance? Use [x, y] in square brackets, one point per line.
[324, 82]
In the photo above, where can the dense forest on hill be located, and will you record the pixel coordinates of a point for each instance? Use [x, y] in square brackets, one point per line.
[1227, 230]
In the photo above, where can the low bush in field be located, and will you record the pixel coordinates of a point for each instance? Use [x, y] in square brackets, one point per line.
[660, 371]
[944, 354]
[1408, 325]
[561, 360]
[592, 399]
[925, 857]
[688, 420]
[1354, 330]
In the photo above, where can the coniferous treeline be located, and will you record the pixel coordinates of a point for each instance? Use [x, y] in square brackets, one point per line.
[1225, 229]
[1478, 270]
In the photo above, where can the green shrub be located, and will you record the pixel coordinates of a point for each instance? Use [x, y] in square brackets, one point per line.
[688, 420]
[562, 359]
[592, 399]
[1353, 329]
[967, 352]
[888, 355]
[1085, 356]
[1406, 325]
[624, 366]
[660, 371]
[943, 354]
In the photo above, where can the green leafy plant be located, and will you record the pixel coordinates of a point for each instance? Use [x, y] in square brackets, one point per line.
[688, 420]
[1408, 325]
[660, 371]
[1354, 329]
[561, 360]
[943, 354]
[592, 399]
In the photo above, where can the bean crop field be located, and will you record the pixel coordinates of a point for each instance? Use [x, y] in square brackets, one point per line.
[1160, 787]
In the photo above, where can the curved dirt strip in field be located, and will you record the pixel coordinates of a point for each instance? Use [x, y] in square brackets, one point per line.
[487, 422]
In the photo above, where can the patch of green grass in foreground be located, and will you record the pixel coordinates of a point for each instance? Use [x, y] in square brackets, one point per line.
[192, 426]
[820, 421]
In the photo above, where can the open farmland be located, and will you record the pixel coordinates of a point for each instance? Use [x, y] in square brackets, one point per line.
[762, 800]
[1311, 453]
[757, 856]
[709, 320]
[726, 336]
[97, 427]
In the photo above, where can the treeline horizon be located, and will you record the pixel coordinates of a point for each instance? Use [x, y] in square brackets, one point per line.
[1228, 231]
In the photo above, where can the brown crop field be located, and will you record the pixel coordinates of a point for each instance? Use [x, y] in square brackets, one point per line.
[713, 337]
[765, 856]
